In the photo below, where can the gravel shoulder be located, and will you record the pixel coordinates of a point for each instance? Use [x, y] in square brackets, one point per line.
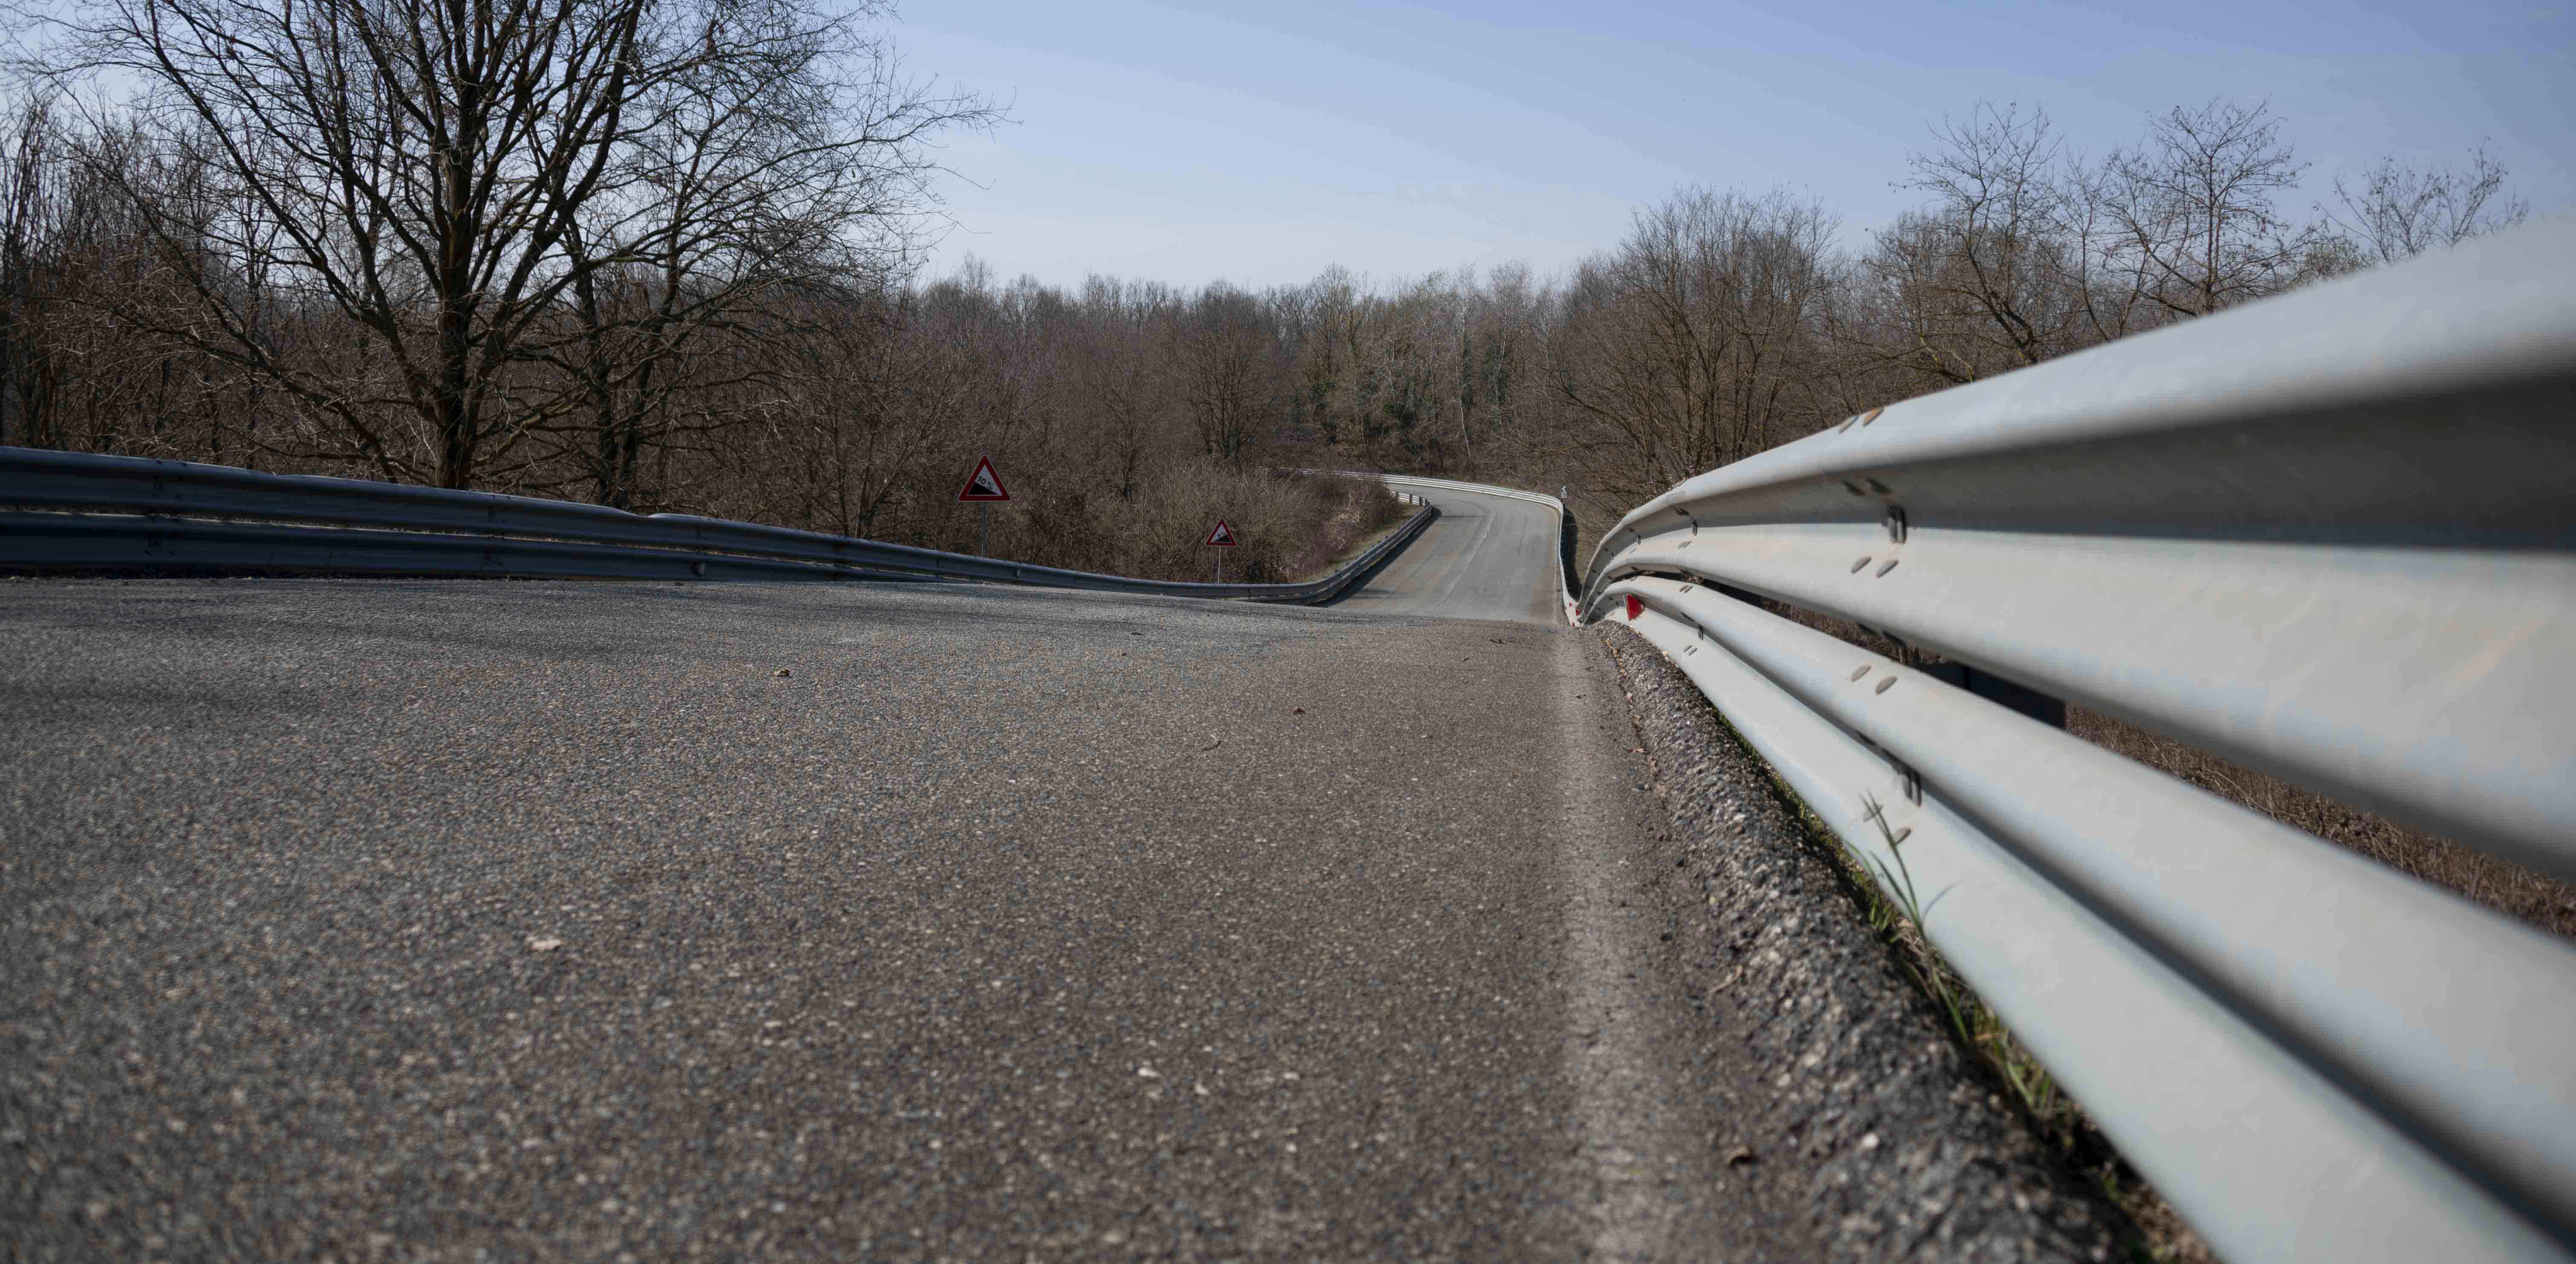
[1891, 1142]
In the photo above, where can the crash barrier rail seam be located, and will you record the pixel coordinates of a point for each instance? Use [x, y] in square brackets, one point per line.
[2330, 535]
[114, 511]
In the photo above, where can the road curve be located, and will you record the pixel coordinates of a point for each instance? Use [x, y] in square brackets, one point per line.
[445, 920]
[1485, 557]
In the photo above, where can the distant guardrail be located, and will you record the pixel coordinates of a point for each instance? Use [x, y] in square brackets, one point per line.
[74, 510]
[2331, 535]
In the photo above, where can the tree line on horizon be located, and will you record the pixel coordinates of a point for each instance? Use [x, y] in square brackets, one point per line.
[663, 255]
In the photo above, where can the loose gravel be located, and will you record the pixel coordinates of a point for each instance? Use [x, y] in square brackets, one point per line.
[1900, 1146]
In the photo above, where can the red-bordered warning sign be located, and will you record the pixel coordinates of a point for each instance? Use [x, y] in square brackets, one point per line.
[1223, 536]
[984, 484]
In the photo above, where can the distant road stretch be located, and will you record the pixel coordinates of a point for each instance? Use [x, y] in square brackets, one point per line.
[1487, 557]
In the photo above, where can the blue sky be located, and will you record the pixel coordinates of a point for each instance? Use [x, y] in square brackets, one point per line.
[1190, 142]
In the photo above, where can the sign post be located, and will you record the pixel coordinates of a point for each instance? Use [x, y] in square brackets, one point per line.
[1221, 538]
[984, 487]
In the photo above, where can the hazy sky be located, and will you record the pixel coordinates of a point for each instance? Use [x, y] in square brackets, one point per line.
[1260, 143]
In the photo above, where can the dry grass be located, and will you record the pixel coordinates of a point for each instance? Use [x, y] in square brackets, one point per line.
[1887, 898]
[1282, 524]
[1367, 512]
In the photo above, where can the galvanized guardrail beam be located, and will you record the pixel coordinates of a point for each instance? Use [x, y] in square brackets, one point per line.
[2329, 535]
[2258, 1148]
[2332, 536]
[110, 511]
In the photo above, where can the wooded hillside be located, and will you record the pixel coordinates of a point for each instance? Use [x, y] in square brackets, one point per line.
[663, 255]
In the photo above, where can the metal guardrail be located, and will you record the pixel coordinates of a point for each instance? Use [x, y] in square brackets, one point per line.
[2331, 535]
[63, 509]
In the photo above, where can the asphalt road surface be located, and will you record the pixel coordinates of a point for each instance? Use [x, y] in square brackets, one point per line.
[491, 920]
[1484, 557]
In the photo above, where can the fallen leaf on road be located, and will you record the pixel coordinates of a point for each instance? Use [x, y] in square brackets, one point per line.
[1298, 711]
[782, 673]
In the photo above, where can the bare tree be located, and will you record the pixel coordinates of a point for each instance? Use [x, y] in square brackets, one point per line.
[1119, 371]
[2399, 212]
[418, 164]
[2192, 210]
[1332, 319]
[1225, 355]
[793, 164]
[880, 413]
[1986, 279]
[30, 204]
[442, 175]
[1696, 342]
[1500, 336]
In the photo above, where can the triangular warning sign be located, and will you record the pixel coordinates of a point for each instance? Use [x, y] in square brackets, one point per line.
[984, 484]
[1223, 535]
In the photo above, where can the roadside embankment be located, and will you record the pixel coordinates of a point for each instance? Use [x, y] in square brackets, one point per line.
[1366, 513]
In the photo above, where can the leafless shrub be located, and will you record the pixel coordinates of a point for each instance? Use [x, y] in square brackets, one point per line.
[2398, 212]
